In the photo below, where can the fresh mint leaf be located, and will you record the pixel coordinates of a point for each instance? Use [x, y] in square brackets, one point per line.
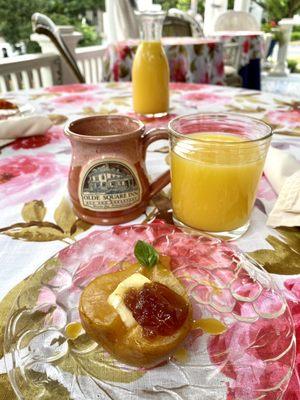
[145, 254]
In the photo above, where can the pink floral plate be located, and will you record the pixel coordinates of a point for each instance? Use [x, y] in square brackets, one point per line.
[242, 347]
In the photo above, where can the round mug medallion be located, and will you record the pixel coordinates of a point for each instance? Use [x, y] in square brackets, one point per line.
[109, 185]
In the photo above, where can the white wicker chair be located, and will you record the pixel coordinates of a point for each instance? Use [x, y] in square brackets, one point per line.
[192, 24]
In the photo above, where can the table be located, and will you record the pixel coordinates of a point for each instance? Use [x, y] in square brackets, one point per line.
[252, 51]
[34, 171]
[196, 60]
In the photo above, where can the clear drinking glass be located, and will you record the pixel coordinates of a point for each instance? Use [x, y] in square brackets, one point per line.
[150, 70]
[216, 164]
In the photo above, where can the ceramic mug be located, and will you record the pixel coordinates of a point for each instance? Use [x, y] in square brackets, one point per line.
[108, 182]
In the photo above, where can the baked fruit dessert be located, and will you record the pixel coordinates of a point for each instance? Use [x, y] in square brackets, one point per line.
[139, 314]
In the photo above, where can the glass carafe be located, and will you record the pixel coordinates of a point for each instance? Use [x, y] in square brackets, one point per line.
[150, 70]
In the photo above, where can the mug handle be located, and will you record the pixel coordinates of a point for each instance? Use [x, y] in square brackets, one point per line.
[152, 136]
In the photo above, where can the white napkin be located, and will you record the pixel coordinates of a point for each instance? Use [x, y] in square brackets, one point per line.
[23, 126]
[283, 172]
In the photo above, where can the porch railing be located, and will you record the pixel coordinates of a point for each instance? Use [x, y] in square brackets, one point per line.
[90, 62]
[29, 71]
[42, 70]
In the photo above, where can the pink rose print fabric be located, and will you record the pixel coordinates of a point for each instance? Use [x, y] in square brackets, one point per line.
[24, 178]
[204, 97]
[54, 135]
[265, 191]
[74, 88]
[252, 45]
[179, 69]
[290, 118]
[81, 99]
[190, 60]
[256, 351]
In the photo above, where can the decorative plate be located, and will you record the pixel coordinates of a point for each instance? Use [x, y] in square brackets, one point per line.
[242, 347]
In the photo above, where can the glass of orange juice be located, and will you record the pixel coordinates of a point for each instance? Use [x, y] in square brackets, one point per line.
[150, 69]
[216, 164]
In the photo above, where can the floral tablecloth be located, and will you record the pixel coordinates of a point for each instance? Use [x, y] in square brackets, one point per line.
[36, 219]
[194, 60]
[251, 43]
[251, 52]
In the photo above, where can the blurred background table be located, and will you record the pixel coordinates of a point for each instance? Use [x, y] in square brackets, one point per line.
[196, 60]
[251, 50]
[34, 173]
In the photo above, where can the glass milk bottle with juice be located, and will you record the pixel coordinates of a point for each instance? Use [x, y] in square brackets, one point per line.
[150, 70]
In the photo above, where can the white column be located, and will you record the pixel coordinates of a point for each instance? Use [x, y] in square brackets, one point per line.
[109, 21]
[99, 23]
[281, 68]
[213, 8]
[257, 12]
[119, 21]
[194, 7]
[241, 5]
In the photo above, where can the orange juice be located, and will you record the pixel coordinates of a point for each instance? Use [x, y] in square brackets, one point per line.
[214, 183]
[150, 79]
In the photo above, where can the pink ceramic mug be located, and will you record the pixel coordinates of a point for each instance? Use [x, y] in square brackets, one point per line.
[108, 182]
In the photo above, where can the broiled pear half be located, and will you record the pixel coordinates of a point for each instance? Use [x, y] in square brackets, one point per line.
[139, 314]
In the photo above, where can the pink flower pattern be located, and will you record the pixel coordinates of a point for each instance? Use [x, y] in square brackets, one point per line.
[74, 88]
[265, 191]
[178, 69]
[53, 135]
[25, 178]
[206, 97]
[182, 59]
[290, 118]
[75, 99]
[28, 172]
[252, 46]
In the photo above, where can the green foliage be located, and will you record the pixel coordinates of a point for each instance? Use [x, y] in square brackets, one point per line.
[296, 33]
[166, 4]
[295, 36]
[90, 36]
[278, 9]
[15, 17]
[268, 26]
[275, 9]
[292, 64]
[32, 47]
[183, 5]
